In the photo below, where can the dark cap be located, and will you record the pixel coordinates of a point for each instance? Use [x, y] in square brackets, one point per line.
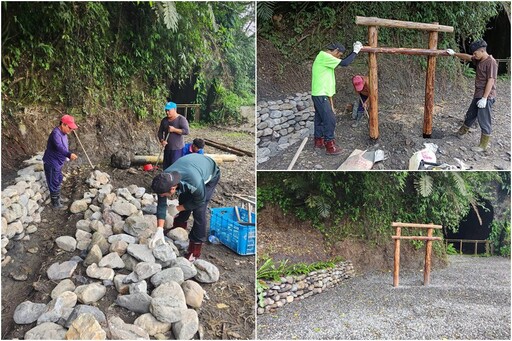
[199, 143]
[163, 182]
[477, 45]
[334, 46]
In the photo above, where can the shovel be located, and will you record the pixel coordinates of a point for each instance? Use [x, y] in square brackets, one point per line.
[161, 150]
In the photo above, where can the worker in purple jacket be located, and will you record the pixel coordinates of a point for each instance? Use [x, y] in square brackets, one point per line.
[56, 153]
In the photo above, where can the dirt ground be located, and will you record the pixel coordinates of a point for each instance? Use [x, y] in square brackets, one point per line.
[401, 101]
[282, 236]
[235, 289]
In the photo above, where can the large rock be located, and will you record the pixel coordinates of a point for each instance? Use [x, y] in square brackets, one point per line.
[94, 255]
[85, 309]
[189, 270]
[171, 274]
[141, 252]
[28, 312]
[90, 293]
[187, 327]
[206, 272]
[64, 285]
[121, 159]
[46, 331]
[138, 302]
[112, 260]
[137, 225]
[85, 327]
[151, 325]
[94, 271]
[79, 206]
[119, 330]
[66, 243]
[145, 270]
[168, 303]
[57, 271]
[194, 293]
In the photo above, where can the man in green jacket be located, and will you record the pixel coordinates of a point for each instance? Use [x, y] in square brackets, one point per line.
[323, 87]
[193, 178]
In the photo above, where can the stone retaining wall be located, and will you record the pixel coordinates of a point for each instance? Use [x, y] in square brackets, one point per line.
[23, 203]
[282, 123]
[293, 288]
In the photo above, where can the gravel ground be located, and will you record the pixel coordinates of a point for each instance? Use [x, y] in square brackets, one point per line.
[470, 299]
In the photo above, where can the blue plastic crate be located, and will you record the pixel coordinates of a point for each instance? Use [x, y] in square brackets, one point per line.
[238, 237]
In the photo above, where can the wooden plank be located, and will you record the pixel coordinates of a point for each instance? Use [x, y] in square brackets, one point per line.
[426, 226]
[405, 50]
[296, 156]
[373, 85]
[144, 159]
[396, 264]
[468, 240]
[428, 112]
[428, 257]
[374, 21]
[417, 238]
[231, 149]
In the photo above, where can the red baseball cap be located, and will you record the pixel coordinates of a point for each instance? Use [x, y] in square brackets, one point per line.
[358, 83]
[69, 121]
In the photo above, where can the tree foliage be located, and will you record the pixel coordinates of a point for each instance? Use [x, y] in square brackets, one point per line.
[300, 29]
[363, 204]
[89, 55]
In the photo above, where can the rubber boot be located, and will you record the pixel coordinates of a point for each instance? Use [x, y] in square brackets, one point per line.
[319, 142]
[463, 130]
[359, 117]
[331, 148]
[194, 251]
[484, 143]
[56, 203]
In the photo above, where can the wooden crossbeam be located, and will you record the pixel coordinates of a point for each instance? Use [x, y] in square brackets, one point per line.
[426, 226]
[416, 238]
[405, 50]
[373, 21]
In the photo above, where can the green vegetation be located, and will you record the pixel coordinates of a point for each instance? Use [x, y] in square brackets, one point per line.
[272, 271]
[299, 29]
[450, 250]
[363, 205]
[88, 56]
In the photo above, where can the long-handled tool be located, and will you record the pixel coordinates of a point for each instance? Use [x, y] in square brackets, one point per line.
[81, 145]
[161, 150]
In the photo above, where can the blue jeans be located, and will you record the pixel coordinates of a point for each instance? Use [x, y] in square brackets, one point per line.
[325, 120]
[198, 231]
[483, 115]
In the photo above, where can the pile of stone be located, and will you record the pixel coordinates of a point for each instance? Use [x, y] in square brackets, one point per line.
[282, 123]
[22, 204]
[294, 288]
[111, 239]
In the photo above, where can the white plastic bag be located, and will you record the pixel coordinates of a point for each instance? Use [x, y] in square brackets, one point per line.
[427, 154]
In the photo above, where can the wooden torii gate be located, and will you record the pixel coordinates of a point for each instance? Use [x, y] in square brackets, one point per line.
[428, 247]
[431, 52]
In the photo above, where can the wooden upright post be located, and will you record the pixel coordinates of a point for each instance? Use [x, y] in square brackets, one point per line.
[373, 86]
[396, 268]
[428, 257]
[429, 86]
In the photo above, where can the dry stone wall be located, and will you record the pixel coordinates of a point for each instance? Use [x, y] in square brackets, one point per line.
[282, 123]
[294, 288]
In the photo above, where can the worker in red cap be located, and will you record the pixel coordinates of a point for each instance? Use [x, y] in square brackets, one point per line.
[360, 84]
[56, 153]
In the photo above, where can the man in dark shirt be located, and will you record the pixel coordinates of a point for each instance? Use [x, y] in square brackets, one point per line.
[170, 133]
[193, 178]
[56, 153]
[485, 92]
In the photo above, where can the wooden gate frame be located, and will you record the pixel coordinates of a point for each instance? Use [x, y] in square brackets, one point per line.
[428, 248]
[432, 52]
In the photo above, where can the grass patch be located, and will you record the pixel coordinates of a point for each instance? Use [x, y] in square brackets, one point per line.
[272, 271]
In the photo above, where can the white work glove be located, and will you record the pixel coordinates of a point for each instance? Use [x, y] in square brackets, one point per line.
[357, 47]
[157, 239]
[450, 52]
[482, 103]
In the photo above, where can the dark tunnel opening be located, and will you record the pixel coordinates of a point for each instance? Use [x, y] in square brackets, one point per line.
[470, 229]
